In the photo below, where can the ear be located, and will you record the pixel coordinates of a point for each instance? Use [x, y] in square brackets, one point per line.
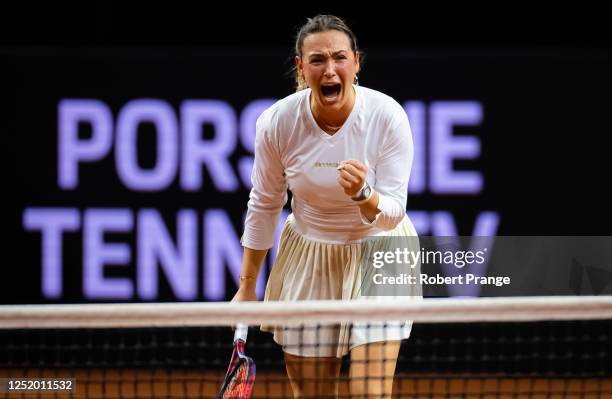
[299, 65]
[357, 62]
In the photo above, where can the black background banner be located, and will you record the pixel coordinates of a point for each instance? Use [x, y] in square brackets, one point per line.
[535, 119]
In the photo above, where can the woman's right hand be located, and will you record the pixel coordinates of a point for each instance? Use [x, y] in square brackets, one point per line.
[245, 293]
[251, 263]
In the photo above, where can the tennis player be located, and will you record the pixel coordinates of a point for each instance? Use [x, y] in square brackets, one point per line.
[345, 152]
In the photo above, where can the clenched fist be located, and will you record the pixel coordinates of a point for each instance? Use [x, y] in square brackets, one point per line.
[351, 176]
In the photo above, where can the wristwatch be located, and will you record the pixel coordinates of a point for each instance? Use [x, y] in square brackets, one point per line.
[364, 194]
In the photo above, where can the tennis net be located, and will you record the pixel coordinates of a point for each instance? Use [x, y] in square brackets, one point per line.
[520, 347]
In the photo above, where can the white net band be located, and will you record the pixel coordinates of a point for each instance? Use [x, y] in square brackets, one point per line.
[296, 313]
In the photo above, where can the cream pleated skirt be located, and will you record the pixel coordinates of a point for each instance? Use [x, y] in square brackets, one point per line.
[307, 269]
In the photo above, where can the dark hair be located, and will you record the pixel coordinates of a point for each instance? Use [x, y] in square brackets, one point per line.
[320, 23]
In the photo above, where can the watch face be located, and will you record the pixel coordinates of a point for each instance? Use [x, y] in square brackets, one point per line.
[364, 193]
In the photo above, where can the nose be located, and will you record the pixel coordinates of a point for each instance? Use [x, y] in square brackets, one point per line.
[329, 69]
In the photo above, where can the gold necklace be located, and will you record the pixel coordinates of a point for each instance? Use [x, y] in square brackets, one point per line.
[330, 127]
[325, 126]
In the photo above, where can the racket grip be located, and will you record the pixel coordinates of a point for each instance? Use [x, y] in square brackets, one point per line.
[241, 332]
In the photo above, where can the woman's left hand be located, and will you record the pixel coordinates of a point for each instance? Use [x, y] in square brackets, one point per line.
[351, 176]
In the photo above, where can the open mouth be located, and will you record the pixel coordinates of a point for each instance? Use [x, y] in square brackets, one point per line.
[331, 91]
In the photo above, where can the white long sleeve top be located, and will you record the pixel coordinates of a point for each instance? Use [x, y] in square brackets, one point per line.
[293, 152]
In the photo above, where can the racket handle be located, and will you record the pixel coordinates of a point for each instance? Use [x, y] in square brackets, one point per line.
[241, 332]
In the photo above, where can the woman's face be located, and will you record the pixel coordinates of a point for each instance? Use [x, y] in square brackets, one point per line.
[329, 66]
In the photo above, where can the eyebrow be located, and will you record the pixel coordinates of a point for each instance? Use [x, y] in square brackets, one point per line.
[321, 54]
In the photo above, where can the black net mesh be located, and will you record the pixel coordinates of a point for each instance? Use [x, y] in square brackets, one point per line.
[561, 359]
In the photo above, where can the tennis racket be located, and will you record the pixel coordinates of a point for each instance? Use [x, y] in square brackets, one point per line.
[240, 376]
